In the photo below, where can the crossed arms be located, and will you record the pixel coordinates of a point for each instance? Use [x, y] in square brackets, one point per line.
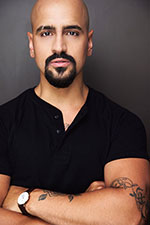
[123, 200]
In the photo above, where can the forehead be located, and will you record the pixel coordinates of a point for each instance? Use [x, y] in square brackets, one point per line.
[59, 13]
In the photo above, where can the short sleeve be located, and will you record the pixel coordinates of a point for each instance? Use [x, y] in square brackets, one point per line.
[4, 157]
[128, 138]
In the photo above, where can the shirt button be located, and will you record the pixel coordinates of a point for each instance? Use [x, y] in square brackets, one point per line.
[58, 131]
[56, 117]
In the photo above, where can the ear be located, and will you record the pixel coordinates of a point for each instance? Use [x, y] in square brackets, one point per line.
[90, 43]
[31, 46]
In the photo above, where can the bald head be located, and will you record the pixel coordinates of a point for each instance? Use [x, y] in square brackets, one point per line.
[78, 5]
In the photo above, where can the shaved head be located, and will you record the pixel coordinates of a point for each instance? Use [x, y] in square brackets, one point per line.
[79, 5]
[60, 40]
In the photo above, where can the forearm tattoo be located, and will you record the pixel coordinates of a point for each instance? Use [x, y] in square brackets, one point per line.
[141, 197]
[55, 194]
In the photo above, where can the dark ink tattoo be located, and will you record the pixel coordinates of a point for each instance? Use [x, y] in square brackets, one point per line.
[66, 125]
[50, 194]
[141, 199]
[71, 197]
[42, 197]
[55, 194]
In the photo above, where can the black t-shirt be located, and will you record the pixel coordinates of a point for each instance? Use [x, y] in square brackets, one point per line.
[36, 151]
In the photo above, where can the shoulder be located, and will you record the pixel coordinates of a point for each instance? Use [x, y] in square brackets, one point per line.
[13, 103]
[126, 131]
[110, 110]
[104, 103]
[9, 109]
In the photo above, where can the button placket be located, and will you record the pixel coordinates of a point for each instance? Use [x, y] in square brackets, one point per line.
[58, 131]
[57, 119]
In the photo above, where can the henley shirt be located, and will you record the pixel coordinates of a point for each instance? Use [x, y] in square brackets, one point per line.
[36, 151]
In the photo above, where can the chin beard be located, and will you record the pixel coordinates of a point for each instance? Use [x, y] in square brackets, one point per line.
[60, 82]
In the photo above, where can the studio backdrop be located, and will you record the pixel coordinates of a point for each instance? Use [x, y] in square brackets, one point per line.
[119, 67]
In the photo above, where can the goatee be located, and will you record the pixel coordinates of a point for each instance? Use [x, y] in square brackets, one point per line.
[60, 81]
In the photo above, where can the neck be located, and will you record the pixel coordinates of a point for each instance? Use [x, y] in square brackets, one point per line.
[73, 96]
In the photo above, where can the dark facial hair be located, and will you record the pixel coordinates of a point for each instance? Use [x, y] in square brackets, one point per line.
[60, 82]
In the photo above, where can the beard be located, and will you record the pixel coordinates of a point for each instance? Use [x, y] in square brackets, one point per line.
[60, 81]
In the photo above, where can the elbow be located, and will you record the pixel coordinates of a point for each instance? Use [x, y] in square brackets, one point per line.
[142, 221]
[137, 219]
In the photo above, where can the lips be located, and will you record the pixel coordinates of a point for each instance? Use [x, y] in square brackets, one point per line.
[60, 62]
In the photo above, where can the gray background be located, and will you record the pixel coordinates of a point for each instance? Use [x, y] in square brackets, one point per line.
[119, 67]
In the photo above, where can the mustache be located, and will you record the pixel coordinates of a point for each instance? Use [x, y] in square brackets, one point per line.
[58, 56]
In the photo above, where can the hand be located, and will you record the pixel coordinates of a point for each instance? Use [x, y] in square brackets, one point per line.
[96, 185]
[10, 201]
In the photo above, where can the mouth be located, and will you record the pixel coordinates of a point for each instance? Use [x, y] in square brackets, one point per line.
[60, 62]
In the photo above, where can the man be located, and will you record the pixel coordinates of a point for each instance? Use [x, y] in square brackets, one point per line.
[82, 156]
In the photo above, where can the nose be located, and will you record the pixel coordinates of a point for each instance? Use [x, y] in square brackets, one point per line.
[59, 44]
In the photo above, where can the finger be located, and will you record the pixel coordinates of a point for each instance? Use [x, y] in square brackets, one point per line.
[94, 189]
[96, 185]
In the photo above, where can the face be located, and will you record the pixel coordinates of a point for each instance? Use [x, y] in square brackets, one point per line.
[60, 41]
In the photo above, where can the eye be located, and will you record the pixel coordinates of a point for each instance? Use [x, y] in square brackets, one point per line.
[46, 33]
[72, 33]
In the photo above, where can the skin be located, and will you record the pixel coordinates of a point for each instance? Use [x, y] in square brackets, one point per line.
[80, 4]
[44, 13]
[102, 202]
[40, 49]
[61, 40]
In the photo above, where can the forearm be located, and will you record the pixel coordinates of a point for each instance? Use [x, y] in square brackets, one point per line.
[8, 217]
[108, 206]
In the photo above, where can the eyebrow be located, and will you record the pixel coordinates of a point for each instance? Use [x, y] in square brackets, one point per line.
[73, 27]
[47, 27]
[44, 28]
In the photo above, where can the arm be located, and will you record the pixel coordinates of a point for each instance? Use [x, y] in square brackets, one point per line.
[118, 203]
[123, 201]
[8, 217]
